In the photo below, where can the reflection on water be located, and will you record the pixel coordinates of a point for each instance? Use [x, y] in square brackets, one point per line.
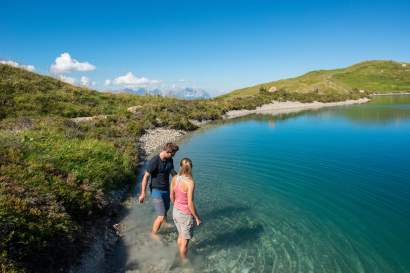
[380, 110]
[307, 192]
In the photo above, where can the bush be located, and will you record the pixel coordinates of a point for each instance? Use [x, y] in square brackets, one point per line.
[50, 186]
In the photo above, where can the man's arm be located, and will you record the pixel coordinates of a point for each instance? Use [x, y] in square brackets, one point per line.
[173, 172]
[152, 166]
[144, 184]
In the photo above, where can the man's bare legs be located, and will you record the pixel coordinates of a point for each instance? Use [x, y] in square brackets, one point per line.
[157, 225]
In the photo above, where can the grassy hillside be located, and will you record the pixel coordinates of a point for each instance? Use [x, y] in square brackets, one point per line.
[30, 94]
[371, 76]
[56, 175]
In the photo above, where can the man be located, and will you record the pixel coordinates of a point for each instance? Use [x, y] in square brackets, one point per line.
[159, 168]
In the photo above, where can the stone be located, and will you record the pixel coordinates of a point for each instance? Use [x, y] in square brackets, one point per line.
[134, 109]
[273, 89]
[87, 119]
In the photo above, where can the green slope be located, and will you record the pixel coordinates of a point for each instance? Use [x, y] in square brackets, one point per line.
[371, 76]
[56, 175]
[24, 93]
[28, 94]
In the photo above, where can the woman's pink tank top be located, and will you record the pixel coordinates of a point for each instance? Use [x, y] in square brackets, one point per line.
[181, 198]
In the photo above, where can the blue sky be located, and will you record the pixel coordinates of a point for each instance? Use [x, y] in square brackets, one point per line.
[215, 45]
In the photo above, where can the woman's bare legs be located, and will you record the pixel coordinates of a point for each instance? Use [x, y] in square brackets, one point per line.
[182, 247]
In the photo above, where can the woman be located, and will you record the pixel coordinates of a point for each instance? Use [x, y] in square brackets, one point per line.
[184, 212]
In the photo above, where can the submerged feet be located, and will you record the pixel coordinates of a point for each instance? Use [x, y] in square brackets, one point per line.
[118, 229]
[167, 225]
[155, 237]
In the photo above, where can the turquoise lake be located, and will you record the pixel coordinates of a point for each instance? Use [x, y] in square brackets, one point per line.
[321, 191]
[318, 191]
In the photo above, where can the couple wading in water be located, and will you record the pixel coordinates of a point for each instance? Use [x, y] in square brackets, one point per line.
[180, 192]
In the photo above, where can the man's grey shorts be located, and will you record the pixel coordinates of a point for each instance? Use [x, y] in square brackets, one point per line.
[184, 223]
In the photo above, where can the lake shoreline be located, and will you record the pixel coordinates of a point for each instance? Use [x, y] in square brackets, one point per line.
[152, 141]
[279, 107]
[391, 94]
[148, 145]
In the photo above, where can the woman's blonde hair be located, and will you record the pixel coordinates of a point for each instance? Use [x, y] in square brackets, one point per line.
[185, 167]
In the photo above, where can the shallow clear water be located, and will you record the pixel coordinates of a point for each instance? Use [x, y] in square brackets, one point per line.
[319, 191]
[323, 191]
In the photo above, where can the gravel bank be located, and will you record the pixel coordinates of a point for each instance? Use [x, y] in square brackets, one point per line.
[286, 107]
[153, 140]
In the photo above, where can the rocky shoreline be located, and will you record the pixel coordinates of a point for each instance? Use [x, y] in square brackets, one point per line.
[154, 139]
[391, 94]
[279, 107]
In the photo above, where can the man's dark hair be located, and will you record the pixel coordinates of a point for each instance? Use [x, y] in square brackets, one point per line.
[171, 147]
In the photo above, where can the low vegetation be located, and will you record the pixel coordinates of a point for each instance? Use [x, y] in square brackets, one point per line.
[56, 174]
[370, 77]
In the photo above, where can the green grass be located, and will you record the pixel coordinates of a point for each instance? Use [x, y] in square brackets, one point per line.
[56, 175]
[51, 185]
[371, 76]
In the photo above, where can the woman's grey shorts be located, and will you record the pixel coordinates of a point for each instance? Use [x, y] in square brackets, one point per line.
[184, 223]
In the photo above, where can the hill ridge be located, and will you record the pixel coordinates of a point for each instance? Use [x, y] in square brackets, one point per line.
[370, 75]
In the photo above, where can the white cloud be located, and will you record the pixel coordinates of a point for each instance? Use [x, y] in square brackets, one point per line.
[130, 80]
[66, 79]
[64, 63]
[85, 81]
[15, 64]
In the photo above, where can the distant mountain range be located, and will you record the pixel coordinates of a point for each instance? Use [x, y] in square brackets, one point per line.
[188, 93]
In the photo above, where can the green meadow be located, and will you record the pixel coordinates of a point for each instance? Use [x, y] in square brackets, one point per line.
[57, 175]
[369, 76]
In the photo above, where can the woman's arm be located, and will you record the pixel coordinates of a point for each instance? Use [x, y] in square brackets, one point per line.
[171, 190]
[191, 204]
